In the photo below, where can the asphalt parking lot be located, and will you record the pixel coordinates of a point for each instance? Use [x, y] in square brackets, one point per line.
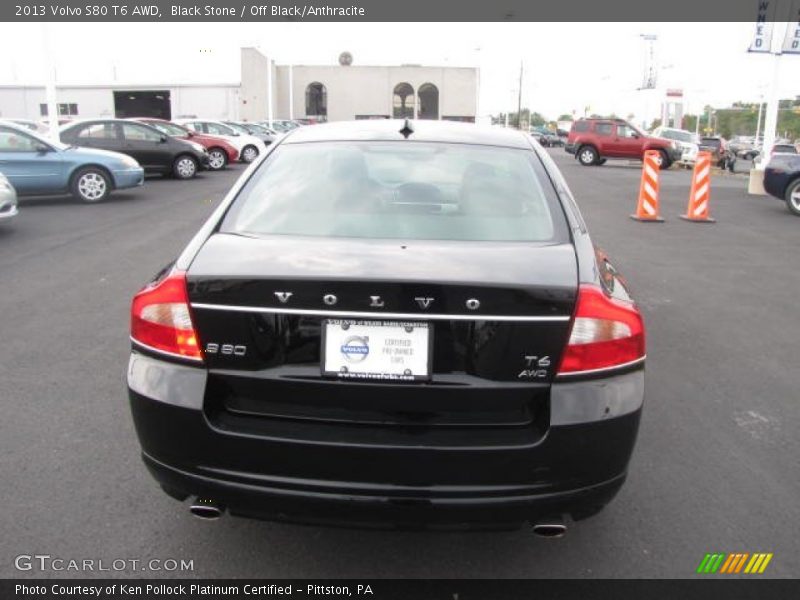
[716, 467]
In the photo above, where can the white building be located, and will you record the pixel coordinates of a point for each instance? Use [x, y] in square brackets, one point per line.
[330, 92]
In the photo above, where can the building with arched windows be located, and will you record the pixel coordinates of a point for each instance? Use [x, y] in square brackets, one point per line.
[346, 91]
[338, 92]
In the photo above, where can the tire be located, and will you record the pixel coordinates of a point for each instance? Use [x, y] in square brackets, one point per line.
[587, 156]
[793, 197]
[664, 162]
[217, 159]
[184, 167]
[601, 161]
[91, 185]
[249, 154]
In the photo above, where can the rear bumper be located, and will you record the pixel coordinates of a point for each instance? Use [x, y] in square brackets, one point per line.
[569, 148]
[128, 178]
[338, 503]
[575, 468]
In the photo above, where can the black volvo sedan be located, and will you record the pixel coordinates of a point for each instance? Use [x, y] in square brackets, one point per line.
[396, 324]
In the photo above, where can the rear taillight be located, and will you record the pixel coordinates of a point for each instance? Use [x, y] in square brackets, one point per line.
[606, 333]
[162, 320]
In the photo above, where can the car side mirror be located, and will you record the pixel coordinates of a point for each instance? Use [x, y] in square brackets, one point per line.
[191, 133]
[163, 139]
[42, 149]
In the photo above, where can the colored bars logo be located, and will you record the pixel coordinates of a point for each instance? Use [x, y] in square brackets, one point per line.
[737, 562]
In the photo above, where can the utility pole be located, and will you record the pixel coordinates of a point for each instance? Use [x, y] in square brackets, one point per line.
[519, 97]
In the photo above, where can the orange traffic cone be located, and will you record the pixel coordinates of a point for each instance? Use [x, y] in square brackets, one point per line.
[647, 207]
[700, 193]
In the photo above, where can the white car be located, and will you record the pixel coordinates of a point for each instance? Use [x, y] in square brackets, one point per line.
[249, 146]
[8, 200]
[686, 140]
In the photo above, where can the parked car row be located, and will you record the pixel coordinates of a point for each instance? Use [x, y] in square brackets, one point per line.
[94, 157]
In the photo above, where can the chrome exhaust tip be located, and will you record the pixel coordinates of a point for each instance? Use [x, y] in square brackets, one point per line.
[207, 510]
[550, 528]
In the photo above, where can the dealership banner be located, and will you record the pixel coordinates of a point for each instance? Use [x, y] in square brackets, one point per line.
[402, 589]
[383, 10]
[791, 43]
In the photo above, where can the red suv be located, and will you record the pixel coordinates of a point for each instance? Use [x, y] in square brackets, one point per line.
[220, 151]
[592, 141]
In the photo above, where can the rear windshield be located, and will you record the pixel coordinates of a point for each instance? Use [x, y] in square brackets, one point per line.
[715, 142]
[400, 190]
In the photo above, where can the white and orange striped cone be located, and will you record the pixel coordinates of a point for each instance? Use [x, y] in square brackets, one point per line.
[700, 193]
[647, 207]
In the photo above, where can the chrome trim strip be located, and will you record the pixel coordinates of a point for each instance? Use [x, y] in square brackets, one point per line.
[602, 370]
[164, 352]
[379, 315]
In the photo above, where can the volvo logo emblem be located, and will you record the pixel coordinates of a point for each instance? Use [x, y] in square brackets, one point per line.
[330, 299]
[283, 297]
[473, 304]
[376, 302]
[355, 348]
[424, 303]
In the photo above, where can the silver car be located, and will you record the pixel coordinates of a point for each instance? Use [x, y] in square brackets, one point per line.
[8, 200]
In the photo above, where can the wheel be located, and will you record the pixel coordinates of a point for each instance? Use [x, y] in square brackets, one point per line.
[185, 167]
[793, 197]
[249, 154]
[663, 160]
[587, 156]
[217, 159]
[91, 185]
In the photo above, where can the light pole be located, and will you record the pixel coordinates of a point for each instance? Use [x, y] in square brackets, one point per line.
[50, 83]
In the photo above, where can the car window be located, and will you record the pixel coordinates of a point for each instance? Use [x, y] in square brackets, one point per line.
[99, 131]
[603, 128]
[14, 141]
[198, 127]
[168, 128]
[137, 133]
[218, 129]
[624, 131]
[400, 191]
[581, 126]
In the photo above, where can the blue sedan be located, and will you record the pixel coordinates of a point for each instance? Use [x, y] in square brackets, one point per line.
[35, 165]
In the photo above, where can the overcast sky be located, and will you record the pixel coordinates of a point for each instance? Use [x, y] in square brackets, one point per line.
[567, 66]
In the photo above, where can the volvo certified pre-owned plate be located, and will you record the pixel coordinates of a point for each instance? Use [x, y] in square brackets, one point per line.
[393, 350]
